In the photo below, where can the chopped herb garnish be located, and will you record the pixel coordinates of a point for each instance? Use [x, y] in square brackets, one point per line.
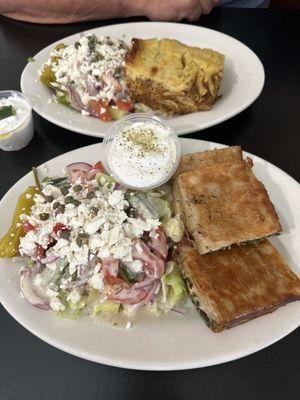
[7, 111]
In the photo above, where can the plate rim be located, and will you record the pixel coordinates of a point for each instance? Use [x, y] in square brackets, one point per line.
[149, 365]
[186, 131]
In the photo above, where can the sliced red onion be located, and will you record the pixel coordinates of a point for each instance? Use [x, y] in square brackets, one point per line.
[179, 310]
[118, 186]
[75, 98]
[91, 87]
[30, 295]
[50, 259]
[92, 173]
[146, 282]
[79, 166]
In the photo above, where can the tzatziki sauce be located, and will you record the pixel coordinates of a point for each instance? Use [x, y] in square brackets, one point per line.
[143, 153]
[16, 130]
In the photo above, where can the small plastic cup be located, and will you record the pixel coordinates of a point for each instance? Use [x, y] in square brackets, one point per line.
[16, 131]
[124, 174]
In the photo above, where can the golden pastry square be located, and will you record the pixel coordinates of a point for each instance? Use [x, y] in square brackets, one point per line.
[232, 286]
[200, 159]
[224, 204]
[170, 76]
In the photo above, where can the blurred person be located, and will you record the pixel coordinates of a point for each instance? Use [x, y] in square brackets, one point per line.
[68, 11]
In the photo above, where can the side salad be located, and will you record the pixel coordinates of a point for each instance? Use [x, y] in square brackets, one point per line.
[91, 246]
[89, 76]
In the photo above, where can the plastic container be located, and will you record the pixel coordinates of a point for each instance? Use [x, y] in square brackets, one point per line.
[141, 151]
[16, 131]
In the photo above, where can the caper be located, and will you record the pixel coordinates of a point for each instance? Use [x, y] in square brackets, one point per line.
[83, 235]
[90, 194]
[60, 209]
[94, 210]
[77, 188]
[64, 190]
[79, 242]
[71, 200]
[43, 216]
[132, 212]
[49, 199]
[56, 205]
[64, 234]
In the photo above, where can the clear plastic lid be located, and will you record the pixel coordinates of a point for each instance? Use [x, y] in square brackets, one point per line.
[141, 151]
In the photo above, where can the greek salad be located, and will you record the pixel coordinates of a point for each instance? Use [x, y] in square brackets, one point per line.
[91, 246]
[89, 76]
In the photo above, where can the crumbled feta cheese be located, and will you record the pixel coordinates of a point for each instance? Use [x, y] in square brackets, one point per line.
[74, 296]
[93, 225]
[56, 304]
[28, 196]
[135, 266]
[96, 281]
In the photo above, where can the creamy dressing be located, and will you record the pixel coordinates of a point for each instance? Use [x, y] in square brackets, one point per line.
[143, 154]
[22, 110]
[16, 131]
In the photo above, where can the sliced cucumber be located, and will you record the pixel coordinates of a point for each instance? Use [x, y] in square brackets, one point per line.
[103, 178]
[63, 98]
[117, 113]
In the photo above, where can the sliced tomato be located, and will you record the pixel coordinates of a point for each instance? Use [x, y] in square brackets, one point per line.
[99, 165]
[100, 109]
[59, 227]
[124, 105]
[106, 116]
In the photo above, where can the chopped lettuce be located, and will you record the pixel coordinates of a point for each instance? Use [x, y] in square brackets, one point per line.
[163, 207]
[174, 229]
[173, 291]
[106, 306]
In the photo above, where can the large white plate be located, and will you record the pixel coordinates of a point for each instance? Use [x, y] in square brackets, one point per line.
[172, 341]
[242, 82]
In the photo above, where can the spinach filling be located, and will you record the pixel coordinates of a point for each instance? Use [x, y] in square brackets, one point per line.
[209, 322]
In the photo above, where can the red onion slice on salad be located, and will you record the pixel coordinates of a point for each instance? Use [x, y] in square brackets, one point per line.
[158, 243]
[75, 99]
[79, 166]
[29, 294]
[154, 267]
[91, 87]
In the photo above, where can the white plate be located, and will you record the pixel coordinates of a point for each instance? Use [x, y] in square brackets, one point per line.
[242, 82]
[172, 341]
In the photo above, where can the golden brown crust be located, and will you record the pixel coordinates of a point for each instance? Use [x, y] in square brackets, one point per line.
[224, 204]
[200, 159]
[169, 76]
[235, 285]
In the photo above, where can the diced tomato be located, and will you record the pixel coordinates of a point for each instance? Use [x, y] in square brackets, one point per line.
[106, 116]
[27, 226]
[59, 227]
[99, 166]
[40, 251]
[124, 105]
[100, 109]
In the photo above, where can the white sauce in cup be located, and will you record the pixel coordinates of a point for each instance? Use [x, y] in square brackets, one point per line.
[16, 131]
[142, 152]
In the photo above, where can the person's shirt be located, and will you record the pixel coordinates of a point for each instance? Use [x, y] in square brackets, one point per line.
[245, 3]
